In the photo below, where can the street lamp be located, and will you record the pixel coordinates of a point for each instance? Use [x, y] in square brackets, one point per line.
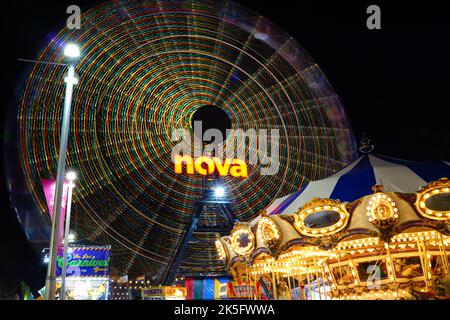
[72, 51]
[71, 238]
[71, 176]
[71, 54]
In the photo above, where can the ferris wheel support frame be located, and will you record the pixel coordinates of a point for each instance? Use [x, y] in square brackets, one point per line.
[225, 210]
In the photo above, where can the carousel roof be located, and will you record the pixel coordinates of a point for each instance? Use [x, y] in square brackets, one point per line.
[357, 179]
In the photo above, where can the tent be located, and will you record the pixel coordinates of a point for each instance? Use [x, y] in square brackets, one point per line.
[357, 179]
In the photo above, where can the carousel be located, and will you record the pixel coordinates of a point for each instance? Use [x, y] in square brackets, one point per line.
[378, 229]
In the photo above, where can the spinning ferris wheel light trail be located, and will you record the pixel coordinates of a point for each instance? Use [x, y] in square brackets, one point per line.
[147, 68]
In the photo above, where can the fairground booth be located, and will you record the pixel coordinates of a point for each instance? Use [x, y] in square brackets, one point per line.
[378, 229]
[207, 288]
[163, 293]
[87, 275]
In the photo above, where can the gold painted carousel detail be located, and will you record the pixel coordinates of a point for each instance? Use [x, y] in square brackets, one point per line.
[386, 245]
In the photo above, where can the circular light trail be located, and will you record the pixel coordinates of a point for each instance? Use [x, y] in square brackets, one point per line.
[145, 68]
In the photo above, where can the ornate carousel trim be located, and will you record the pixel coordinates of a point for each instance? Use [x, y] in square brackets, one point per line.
[317, 206]
[433, 190]
[390, 237]
[242, 239]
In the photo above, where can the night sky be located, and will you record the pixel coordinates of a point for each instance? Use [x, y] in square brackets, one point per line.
[394, 82]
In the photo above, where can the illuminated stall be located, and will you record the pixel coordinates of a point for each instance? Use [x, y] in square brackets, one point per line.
[164, 293]
[386, 244]
[87, 272]
[243, 290]
[206, 288]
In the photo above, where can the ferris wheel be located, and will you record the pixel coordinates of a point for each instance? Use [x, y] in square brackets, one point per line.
[147, 68]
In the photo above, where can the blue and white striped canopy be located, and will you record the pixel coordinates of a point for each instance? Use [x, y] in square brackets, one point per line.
[357, 179]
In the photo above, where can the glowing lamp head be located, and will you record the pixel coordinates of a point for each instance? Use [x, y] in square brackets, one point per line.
[71, 237]
[71, 176]
[219, 192]
[72, 51]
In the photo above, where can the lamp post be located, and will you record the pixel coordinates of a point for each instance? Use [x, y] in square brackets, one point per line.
[71, 176]
[71, 53]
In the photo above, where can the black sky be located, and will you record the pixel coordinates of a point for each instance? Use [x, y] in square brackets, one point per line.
[394, 82]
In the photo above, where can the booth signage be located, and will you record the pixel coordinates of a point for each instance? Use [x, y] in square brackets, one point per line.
[240, 291]
[92, 261]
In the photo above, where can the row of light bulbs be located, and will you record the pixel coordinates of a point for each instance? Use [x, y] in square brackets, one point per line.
[373, 295]
[358, 246]
[289, 268]
[299, 223]
[428, 211]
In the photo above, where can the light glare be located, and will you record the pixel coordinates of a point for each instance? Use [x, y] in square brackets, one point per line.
[71, 176]
[72, 51]
[219, 191]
